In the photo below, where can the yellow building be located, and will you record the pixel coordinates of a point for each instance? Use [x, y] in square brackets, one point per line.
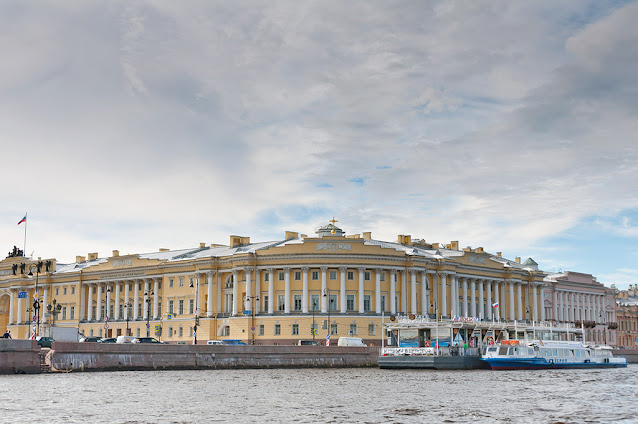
[268, 292]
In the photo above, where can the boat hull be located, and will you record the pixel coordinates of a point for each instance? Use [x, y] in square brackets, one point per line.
[432, 362]
[540, 364]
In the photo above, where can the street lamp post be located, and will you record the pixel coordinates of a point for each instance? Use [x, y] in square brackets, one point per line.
[604, 326]
[196, 310]
[252, 300]
[149, 299]
[54, 310]
[36, 300]
[326, 294]
[128, 315]
[314, 306]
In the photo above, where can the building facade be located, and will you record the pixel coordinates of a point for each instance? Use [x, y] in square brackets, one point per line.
[278, 292]
[627, 310]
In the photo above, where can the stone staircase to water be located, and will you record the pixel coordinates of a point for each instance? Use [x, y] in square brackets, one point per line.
[44, 366]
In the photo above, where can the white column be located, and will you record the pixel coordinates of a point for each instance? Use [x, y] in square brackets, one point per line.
[156, 282]
[209, 301]
[287, 290]
[473, 297]
[343, 302]
[98, 309]
[542, 302]
[404, 292]
[535, 303]
[257, 291]
[89, 304]
[107, 307]
[20, 309]
[116, 307]
[425, 301]
[497, 311]
[136, 300]
[11, 301]
[443, 294]
[481, 301]
[235, 293]
[304, 294]
[512, 316]
[393, 303]
[249, 289]
[271, 291]
[519, 303]
[126, 299]
[413, 302]
[45, 302]
[464, 289]
[454, 301]
[324, 288]
[488, 302]
[377, 292]
[147, 292]
[81, 310]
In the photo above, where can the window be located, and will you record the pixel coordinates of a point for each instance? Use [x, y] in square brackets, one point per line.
[93, 312]
[91, 333]
[130, 287]
[159, 309]
[57, 291]
[64, 290]
[315, 275]
[371, 329]
[315, 302]
[181, 281]
[170, 331]
[111, 314]
[191, 282]
[350, 302]
[333, 275]
[350, 275]
[170, 306]
[396, 277]
[382, 277]
[64, 312]
[137, 332]
[180, 307]
[170, 282]
[261, 330]
[73, 290]
[367, 300]
[139, 310]
[281, 302]
[159, 285]
[297, 302]
[297, 275]
[121, 311]
[333, 329]
[266, 277]
[281, 276]
[366, 276]
[72, 312]
[277, 329]
[191, 306]
[353, 329]
[332, 302]
[181, 332]
[265, 297]
[226, 331]
[295, 329]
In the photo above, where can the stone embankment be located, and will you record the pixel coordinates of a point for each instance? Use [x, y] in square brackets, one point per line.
[111, 357]
[630, 354]
[19, 356]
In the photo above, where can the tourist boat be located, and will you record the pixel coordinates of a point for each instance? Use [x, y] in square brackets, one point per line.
[547, 354]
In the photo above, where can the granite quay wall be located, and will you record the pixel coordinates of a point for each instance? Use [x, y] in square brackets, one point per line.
[630, 354]
[19, 356]
[65, 356]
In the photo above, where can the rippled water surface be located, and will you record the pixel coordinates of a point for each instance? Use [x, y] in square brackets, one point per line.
[323, 395]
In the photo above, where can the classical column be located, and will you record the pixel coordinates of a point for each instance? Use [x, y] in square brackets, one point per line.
[377, 292]
[45, 302]
[257, 291]
[393, 303]
[324, 292]
[209, 301]
[98, 308]
[304, 293]
[519, 298]
[413, 292]
[443, 294]
[81, 310]
[249, 289]
[116, 308]
[89, 304]
[404, 292]
[497, 310]
[535, 303]
[361, 291]
[454, 294]
[136, 300]
[425, 300]
[343, 302]
[542, 301]
[287, 290]
[488, 302]
[107, 307]
[511, 316]
[147, 292]
[11, 301]
[156, 282]
[218, 304]
[464, 289]
[473, 297]
[481, 301]
[20, 314]
[271, 291]
[235, 310]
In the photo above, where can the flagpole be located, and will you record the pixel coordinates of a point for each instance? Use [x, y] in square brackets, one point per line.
[26, 221]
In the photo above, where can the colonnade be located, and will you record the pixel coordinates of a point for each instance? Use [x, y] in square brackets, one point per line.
[569, 306]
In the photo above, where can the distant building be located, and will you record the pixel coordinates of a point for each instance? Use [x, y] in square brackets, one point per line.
[627, 310]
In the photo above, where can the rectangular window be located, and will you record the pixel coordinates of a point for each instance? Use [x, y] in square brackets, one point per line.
[333, 329]
[159, 285]
[73, 290]
[367, 300]
[171, 305]
[139, 310]
[170, 331]
[281, 276]
[382, 277]
[191, 306]
[267, 277]
[297, 275]
[396, 278]
[315, 275]
[281, 302]
[181, 332]
[191, 282]
[350, 275]
[180, 307]
[121, 311]
[315, 302]
[277, 329]
[93, 311]
[383, 303]
[265, 303]
[64, 290]
[371, 329]
[366, 276]
[170, 282]
[295, 329]
[159, 309]
[332, 302]
[333, 275]
[57, 291]
[350, 302]
[181, 281]
[297, 302]
[72, 312]
[353, 329]
[64, 312]
[261, 330]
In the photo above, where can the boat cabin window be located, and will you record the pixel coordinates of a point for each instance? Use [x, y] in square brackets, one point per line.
[502, 350]
[492, 349]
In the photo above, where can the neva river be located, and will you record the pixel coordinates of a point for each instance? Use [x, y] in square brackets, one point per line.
[323, 395]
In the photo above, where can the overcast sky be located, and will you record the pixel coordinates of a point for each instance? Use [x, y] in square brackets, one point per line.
[510, 125]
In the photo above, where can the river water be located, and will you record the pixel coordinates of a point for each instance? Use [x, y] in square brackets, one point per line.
[366, 395]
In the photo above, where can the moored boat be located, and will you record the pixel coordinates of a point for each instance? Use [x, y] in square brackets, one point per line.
[548, 354]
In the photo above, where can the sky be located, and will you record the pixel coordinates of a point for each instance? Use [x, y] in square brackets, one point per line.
[509, 125]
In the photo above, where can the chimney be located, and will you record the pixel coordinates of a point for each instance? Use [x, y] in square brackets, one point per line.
[404, 239]
[163, 249]
[518, 259]
[479, 250]
[235, 241]
[116, 253]
[291, 235]
[202, 244]
[435, 246]
[455, 245]
[92, 256]
[367, 235]
[79, 259]
[499, 254]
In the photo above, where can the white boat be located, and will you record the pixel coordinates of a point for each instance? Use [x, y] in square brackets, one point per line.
[547, 354]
